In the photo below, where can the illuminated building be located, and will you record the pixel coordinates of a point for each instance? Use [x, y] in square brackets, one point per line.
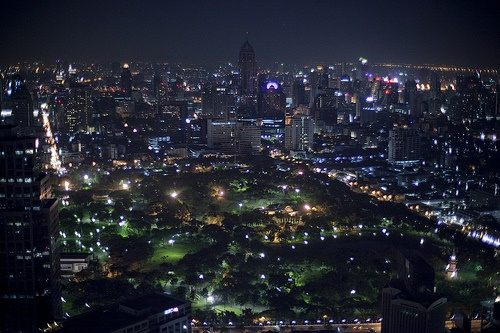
[389, 92]
[218, 102]
[126, 81]
[326, 105]
[78, 109]
[410, 98]
[404, 146]
[298, 93]
[271, 100]
[248, 69]
[29, 228]
[149, 313]
[299, 132]
[19, 104]
[233, 137]
[451, 268]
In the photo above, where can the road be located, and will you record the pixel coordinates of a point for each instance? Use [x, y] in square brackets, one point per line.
[341, 328]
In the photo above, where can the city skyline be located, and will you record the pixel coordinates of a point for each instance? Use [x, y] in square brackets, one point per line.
[184, 167]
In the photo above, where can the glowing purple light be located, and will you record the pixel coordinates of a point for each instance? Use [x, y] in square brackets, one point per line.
[273, 85]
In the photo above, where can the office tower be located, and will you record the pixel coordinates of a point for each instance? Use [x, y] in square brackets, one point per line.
[78, 110]
[363, 69]
[271, 100]
[56, 111]
[248, 69]
[409, 303]
[410, 97]
[19, 106]
[299, 132]
[148, 313]
[233, 137]
[435, 93]
[156, 88]
[389, 93]
[29, 257]
[326, 105]
[404, 146]
[126, 81]
[435, 85]
[298, 93]
[319, 80]
[14, 83]
[218, 102]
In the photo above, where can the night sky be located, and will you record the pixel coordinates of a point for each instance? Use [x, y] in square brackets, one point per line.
[461, 32]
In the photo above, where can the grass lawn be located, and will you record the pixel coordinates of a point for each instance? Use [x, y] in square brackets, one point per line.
[172, 253]
[237, 309]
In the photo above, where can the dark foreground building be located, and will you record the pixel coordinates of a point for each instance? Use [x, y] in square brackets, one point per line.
[149, 313]
[29, 257]
[409, 303]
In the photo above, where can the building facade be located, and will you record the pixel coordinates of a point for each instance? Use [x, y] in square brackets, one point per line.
[29, 229]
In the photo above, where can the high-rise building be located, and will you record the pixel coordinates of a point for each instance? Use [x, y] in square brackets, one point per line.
[218, 102]
[233, 137]
[19, 105]
[389, 92]
[126, 81]
[248, 69]
[298, 93]
[404, 146]
[409, 303]
[29, 257]
[271, 101]
[78, 110]
[299, 132]
[410, 97]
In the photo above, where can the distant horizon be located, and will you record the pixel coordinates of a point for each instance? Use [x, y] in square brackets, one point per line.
[235, 63]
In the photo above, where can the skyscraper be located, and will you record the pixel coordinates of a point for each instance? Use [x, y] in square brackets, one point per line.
[78, 113]
[404, 145]
[233, 137]
[126, 81]
[20, 103]
[298, 93]
[29, 257]
[299, 132]
[410, 97]
[271, 101]
[248, 69]
[218, 102]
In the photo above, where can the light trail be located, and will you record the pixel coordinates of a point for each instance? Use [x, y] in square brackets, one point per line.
[55, 161]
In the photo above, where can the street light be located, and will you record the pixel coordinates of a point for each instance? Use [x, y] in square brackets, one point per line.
[174, 195]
